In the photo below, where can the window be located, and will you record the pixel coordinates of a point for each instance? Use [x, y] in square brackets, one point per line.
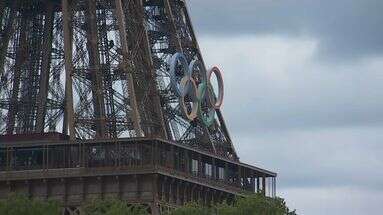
[208, 170]
[221, 173]
[194, 166]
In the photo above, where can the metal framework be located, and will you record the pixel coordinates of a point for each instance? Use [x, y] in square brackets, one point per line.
[153, 172]
[99, 70]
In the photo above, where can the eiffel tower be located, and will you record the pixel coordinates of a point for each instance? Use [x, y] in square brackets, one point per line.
[112, 98]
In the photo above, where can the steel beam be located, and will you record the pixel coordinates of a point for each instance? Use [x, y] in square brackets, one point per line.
[174, 35]
[125, 62]
[21, 55]
[46, 61]
[144, 74]
[69, 111]
[2, 11]
[7, 33]
[95, 72]
[162, 133]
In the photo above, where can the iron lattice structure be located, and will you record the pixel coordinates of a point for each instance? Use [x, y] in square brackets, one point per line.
[99, 69]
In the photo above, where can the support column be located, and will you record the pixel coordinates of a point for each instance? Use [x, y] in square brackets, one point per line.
[275, 187]
[226, 175]
[155, 209]
[46, 187]
[125, 52]
[138, 187]
[152, 89]
[252, 181]
[178, 193]
[174, 34]
[69, 111]
[83, 188]
[46, 64]
[163, 190]
[200, 166]
[171, 192]
[263, 185]
[239, 176]
[187, 161]
[186, 199]
[192, 194]
[21, 56]
[118, 181]
[95, 69]
[155, 191]
[172, 157]
[2, 8]
[214, 169]
[8, 31]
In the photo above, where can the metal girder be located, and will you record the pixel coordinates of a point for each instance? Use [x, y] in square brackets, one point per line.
[98, 69]
[174, 35]
[95, 70]
[68, 49]
[125, 52]
[7, 33]
[19, 63]
[46, 65]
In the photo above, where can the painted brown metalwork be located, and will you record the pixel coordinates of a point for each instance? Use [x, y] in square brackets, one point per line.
[87, 109]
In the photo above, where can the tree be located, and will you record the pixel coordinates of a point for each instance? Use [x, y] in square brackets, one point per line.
[113, 207]
[191, 209]
[256, 204]
[17, 204]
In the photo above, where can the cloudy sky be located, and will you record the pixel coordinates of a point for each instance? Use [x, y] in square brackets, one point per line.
[304, 94]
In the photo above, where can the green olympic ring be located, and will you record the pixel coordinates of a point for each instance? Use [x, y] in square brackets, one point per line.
[196, 88]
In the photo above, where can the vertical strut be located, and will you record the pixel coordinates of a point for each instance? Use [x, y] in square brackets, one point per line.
[174, 35]
[2, 10]
[21, 56]
[151, 73]
[69, 112]
[8, 31]
[44, 76]
[94, 63]
[125, 52]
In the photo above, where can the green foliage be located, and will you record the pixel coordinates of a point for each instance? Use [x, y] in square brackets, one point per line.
[191, 209]
[21, 205]
[252, 205]
[113, 207]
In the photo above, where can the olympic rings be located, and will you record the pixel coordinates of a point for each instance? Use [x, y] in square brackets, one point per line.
[207, 118]
[184, 83]
[218, 103]
[191, 83]
[175, 77]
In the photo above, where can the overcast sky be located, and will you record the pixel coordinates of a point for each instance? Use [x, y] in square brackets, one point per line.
[304, 94]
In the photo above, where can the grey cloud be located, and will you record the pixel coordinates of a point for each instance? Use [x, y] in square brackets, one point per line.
[343, 200]
[318, 125]
[347, 29]
[319, 158]
[310, 94]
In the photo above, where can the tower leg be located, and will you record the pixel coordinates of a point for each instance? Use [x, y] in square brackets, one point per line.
[69, 112]
[44, 76]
